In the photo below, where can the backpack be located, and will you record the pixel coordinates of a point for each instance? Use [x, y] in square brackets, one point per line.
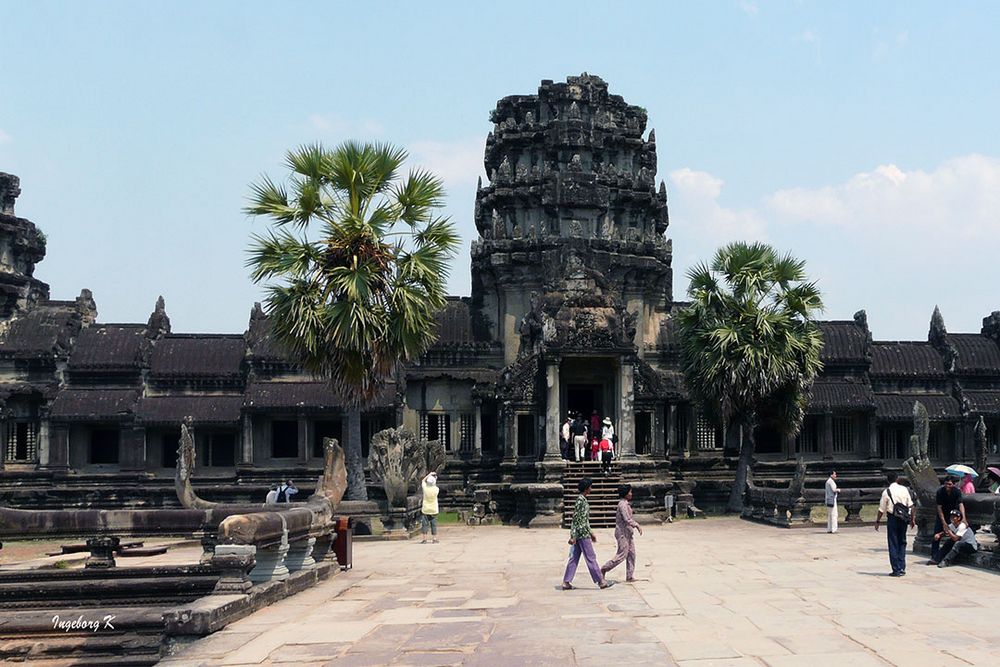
[282, 496]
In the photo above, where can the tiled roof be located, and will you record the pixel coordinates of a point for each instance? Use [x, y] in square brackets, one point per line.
[977, 354]
[843, 342]
[109, 346]
[906, 359]
[93, 404]
[198, 355]
[260, 341]
[900, 406]
[985, 401]
[454, 323]
[203, 409]
[44, 331]
[840, 395]
[303, 394]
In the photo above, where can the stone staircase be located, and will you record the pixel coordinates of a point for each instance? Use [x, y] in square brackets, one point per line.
[603, 496]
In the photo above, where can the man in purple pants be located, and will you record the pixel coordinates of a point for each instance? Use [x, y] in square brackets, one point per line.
[624, 527]
[582, 539]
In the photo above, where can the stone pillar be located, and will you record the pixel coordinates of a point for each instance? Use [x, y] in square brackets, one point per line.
[300, 555]
[133, 449]
[58, 455]
[872, 436]
[826, 435]
[303, 443]
[44, 431]
[102, 552]
[551, 436]
[671, 435]
[477, 429]
[234, 562]
[657, 423]
[789, 446]
[246, 459]
[626, 436]
[691, 444]
[271, 563]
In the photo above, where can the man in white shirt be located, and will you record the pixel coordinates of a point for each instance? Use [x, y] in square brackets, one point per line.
[895, 527]
[831, 502]
[961, 540]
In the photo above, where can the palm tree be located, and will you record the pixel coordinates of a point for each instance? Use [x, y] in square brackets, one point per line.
[355, 264]
[749, 345]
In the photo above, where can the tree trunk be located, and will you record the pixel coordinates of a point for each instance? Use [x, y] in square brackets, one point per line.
[739, 485]
[356, 489]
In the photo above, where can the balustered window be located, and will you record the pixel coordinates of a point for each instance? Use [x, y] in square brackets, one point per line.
[893, 442]
[21, 441]
[707, 436]
[468, 433]
[844, 435]
[435, 426]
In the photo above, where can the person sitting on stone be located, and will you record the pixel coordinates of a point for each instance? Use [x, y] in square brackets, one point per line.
[947, 499]
[957, 540]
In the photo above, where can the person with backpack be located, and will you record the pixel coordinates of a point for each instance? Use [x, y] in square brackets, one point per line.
[285, 492]
[579, 432]
[896, 505]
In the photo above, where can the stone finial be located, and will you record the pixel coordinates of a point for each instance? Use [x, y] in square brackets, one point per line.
[257, 313]
[158, 324]
[937, 336]
[652, 137]
[10, 188]
[479, 184]
[87, 307]
[861, 319]
[982, 446]
[663, 191]
[991, 326]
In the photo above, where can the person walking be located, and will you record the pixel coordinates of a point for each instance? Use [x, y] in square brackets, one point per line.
[607, 430]
[579, 432]
[429, 508]
[582, 540]
[947, 499]
[961, 540]
[831, 502]
[607, 454]
[564, 438]
[896, 505]
[624, 527]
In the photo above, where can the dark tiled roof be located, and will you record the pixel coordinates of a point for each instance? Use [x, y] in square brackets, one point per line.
[840, 395]
[93, 404]
[900, 406]
[260, 341]
[986, 402]
[305, 394]
[109, 346]
[203, 409]
[454, 323]
[44, 331]
[906, 360]
[977, 354]
[482, 375]
[844, 342]
[198, 355]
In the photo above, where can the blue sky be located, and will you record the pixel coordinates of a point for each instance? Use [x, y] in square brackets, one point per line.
[860, 136]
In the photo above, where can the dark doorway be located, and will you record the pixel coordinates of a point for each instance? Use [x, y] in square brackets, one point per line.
[584, 399]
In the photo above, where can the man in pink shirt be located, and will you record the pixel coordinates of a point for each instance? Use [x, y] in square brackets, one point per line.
[624, 525]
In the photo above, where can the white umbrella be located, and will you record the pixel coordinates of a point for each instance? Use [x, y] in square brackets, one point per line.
[958, 469]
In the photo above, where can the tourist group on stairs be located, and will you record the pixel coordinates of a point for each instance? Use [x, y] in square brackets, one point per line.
[590, 439]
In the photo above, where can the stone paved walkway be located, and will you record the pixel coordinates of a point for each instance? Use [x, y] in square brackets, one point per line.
[713, 593]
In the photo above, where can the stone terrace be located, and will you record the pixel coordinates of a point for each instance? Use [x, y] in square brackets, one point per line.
[711, 593]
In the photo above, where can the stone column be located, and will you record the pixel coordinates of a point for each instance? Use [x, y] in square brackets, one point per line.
[234, 562]
[43, 444]
[247, 456]
[872, 436]
[303, 443]
[510, 433]
[826, 435]
[657, 423]
[300, 555]
[477, 429]
[691, 444]
[671, 443]
[551, 443]
[626, 419]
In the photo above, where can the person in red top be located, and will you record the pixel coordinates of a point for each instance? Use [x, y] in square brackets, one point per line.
[595, 450]
[607, 453]
[595, 424]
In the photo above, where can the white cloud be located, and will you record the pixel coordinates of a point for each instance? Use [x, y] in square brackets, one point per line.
[749, 7]
[455, 162]
[4, 137]
[895, 241]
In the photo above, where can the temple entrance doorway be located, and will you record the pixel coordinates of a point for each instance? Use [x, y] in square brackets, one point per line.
[588, 384]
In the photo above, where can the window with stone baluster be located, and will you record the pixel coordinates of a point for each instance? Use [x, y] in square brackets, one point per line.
[21, 441]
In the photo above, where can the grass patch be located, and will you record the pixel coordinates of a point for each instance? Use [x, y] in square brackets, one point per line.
[445, 518]
[62, 564]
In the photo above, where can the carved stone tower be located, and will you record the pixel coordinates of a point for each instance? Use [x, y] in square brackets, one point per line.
[21, 247]
[571, 272]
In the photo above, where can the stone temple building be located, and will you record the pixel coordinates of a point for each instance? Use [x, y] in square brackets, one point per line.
[570, 311]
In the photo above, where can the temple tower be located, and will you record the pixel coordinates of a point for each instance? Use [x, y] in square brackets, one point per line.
[572, 270]
[22, 246]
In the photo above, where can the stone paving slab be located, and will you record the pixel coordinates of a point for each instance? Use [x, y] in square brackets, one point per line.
[713, 593]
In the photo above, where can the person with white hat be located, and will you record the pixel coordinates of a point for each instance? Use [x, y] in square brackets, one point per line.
[429, 508]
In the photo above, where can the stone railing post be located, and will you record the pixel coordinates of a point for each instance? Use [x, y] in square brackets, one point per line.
[853, 510]
[271, 562]
[234, 561]
[300, 555]
[102, 552]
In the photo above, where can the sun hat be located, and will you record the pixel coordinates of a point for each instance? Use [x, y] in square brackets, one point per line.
[607, 420]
